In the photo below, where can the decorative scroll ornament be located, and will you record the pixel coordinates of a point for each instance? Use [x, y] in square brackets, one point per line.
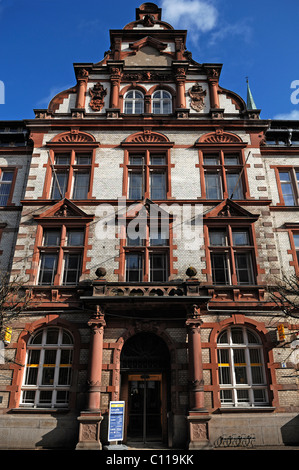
[147, 76]
[148, 20]
[97, 94]
[197, 95]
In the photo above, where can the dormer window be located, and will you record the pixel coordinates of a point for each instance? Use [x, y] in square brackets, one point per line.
[134, 102]
[162, 102]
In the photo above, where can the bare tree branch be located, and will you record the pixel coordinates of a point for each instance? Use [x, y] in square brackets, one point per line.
[284, 293]
[13, 299]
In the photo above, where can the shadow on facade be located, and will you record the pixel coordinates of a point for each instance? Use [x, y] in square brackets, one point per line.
[290, 433]
[60, 432]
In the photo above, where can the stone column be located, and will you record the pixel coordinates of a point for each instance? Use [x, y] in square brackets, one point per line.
[97, 324]
[196, 392]
[90, 420]
[115, 78]
[82, 79]
[198, 416]
[115, 82]
[213, 79]
[180, 76]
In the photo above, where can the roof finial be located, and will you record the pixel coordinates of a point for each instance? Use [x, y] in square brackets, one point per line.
[250, 100]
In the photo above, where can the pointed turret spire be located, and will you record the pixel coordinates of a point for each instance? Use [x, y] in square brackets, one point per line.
[250, 100]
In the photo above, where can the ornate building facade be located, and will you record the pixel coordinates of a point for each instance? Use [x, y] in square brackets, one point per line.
[157, 209]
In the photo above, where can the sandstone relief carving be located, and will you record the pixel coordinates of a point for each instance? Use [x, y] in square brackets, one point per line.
[197, 95]
[97, 94]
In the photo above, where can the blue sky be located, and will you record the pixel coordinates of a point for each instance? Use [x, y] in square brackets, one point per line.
[41, 39]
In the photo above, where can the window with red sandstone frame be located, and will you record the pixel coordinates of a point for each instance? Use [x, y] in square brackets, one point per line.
[241, 368]
[223, 175]
[61, 256]
[147, 257]
[71, 173]
[289, 183]
[231, 255]
[47, 375]
[147, 175]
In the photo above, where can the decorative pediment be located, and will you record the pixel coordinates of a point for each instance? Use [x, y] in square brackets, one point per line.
[148, 41]
[230, 209]
[220, 137]
[64, 209]
[74, 136]
[147, 137]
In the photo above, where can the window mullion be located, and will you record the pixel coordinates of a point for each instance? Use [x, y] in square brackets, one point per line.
[295, 185]
[233, 376]
[223, 175]
[232, 262]
[70, 181]
[57, 367]
[40, 368]
[60, 262]
[146, 174]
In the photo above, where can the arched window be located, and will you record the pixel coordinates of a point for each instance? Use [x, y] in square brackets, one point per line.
[134, 102]
[162, 102]
[47, 376]
[241, 368]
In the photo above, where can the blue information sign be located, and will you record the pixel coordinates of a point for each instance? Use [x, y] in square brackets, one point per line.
[116, 420]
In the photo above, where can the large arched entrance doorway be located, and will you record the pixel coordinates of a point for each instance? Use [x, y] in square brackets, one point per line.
[145, 371]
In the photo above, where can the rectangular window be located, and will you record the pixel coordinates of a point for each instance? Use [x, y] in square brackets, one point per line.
[135, 186]
[231, 255]
[147, 175]
[136, 159]
[72, 268]
[6, 179]
[234, 186]
[71, 175]
[48, 267]
[75, 237]
[218, 237]
[231, 159]
[59, 185]
[244, 268]
[134, 239]
[158, 267]
[223, 175]
[157, 160]
[81, 185]
[240, 237]
[147, 252]
[288, 187]
[158, 237]
[134, 267]
[83, 159]
[211, 159]
[62, 159]
[213, 186]
[158, 186]
[220, 268]
[61, 247]
[52, 237]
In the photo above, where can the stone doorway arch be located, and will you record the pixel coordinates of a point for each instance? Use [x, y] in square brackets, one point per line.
[145, 387]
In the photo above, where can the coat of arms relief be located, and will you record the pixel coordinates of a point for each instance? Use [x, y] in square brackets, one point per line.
[197, 95]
